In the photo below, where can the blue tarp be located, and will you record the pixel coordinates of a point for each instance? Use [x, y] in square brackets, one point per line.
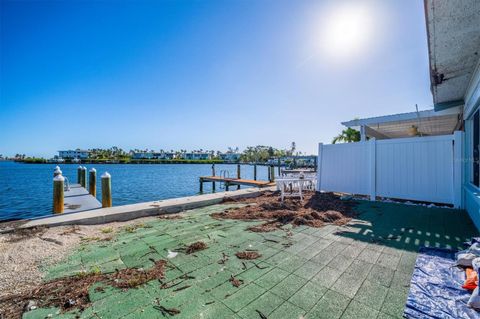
[436, 288]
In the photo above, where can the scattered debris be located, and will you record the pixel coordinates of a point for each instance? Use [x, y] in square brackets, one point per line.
[172, 254]
[182, 288]
[196, 246]
[20, 234]
[236, 282]
[316, 210]
[166, 311]
[72, 292]
[262, 316]
[71, 230]
[249, 255]
[170, 216]
[106, 230]
[51, 240]
[224, 259]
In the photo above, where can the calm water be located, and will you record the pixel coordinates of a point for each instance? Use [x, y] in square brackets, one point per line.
[26, 189]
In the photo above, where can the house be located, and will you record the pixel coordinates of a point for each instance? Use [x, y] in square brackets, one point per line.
[230, 156]
[197, 156]
[153, 155]
[431, 155]
[74, 154]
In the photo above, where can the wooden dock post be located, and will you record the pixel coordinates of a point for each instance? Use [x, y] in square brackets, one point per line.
[271, 175]
[57, 171]
[226, 186]
[84, 177]
[58, 182]
[279, 163]
[92, 182]
[106, 190]
[255, 171]
[79, 175]
[213, 174]
[201, 185]
[238, 175]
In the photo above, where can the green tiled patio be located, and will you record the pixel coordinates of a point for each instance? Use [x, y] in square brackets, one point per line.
[361, 270]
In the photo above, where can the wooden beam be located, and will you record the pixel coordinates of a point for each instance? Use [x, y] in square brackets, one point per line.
[374, 133]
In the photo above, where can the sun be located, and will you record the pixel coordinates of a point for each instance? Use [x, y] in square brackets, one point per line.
[346, 30]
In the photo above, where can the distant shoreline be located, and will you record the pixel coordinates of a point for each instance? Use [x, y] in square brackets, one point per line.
[136, 162]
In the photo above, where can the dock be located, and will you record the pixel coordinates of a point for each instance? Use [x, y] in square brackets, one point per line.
[234, 181]
[78, 199]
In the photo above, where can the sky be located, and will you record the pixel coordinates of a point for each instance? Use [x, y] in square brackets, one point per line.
[203, 74]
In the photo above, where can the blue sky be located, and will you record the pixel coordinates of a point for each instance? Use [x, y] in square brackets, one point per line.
[203, 74]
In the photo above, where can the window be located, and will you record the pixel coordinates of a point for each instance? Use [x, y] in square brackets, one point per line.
[476, 149]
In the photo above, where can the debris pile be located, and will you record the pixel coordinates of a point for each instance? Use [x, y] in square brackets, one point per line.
[196, 246]
[249, 255]
[316, 210]
[72, 292]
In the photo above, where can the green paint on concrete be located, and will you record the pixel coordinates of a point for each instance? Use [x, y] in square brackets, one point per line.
[330, 272]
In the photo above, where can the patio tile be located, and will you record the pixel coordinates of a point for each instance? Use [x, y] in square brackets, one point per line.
[388, 261]
[287, 311]
[340, 262]
[394, 303]
[357, 310]
[289, 286]
[348, 284]
[326, 277]
[272, 278]
[243, 297]
[381, 275]
[371, 294]
[369, 255]
[308, 270]
[360, 268]
[266, 304]
[308, 296]
[331, 306]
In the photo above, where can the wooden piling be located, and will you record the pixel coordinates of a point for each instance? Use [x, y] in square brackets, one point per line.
[238, 175]
[57, 171]
[79, 175]
[84, 177]
[226, 186]
[106, 190]
[58, 194]
[201, 185]
[254, 172]
[213, 169]
[92, 182]
[272, 173]
[279, 164]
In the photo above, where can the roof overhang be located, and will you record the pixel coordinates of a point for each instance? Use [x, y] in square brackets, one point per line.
[453, 31]
[429, 122]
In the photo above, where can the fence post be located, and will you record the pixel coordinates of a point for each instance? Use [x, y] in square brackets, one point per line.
[272, 173]
[58, 194]
[106, 190]
[92, 182]
[319, 167]
[457, 169]
[372, 155]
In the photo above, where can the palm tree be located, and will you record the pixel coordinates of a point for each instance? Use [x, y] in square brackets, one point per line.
[347, 136]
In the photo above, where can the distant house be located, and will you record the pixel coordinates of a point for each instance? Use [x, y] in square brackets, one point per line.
[230, 157]
[153, 155]
[197, 156]
[74, 154]
[300, 160]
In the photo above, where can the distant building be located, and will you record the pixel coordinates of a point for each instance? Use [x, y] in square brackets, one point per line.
[74, 154]
[230, 157]
[197, 156]
[300, 160]
[153, 155]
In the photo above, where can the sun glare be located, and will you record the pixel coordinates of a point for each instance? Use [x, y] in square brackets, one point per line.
[346, 31]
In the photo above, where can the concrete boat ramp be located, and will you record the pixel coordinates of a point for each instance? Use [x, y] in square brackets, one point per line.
[132, 211]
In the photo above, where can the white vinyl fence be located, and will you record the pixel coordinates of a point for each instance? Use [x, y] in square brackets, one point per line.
[418, 168]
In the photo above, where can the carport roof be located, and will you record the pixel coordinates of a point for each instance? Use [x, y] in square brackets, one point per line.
[428, 122]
